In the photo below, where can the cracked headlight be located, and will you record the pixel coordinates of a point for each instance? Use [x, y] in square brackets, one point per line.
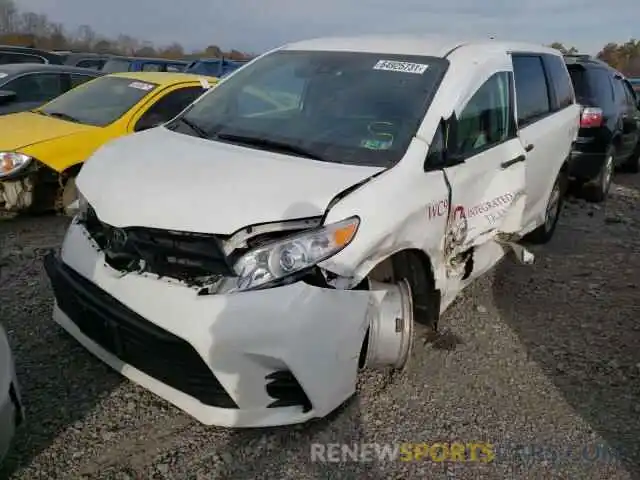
[12, 162]
[275, 261]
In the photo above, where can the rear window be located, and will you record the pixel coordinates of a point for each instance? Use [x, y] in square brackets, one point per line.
[116, 65]
[579, 79]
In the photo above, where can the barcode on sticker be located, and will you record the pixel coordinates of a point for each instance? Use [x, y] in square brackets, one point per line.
[405, 67]
[141, 86]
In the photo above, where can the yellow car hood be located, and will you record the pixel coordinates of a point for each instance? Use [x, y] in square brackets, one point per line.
[21, 130]
[54, 142]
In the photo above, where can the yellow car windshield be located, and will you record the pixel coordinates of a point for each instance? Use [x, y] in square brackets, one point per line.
[99, 102]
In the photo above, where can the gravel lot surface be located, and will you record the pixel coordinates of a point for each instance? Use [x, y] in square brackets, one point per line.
[545, 356]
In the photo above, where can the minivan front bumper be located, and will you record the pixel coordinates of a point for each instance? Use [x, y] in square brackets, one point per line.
[271, 357]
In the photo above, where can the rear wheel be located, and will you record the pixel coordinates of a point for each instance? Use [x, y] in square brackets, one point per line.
[598, 190]
[544, 232]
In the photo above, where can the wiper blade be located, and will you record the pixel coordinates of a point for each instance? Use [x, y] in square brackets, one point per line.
[272, 145]
[61, 115]
[202, 133]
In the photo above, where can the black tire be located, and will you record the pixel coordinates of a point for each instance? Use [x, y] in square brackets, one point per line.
[426, 299]
[597, 190]
[544, 233]
[632, 165]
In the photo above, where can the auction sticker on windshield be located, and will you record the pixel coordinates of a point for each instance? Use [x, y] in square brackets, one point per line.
[405, 67]
[141, 86]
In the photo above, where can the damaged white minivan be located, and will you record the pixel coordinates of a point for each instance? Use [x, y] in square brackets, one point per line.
[246, 259]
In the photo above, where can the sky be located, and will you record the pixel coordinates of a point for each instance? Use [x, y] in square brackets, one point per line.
[256, 26]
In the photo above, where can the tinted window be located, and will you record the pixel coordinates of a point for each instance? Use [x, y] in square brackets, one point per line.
[485, 120]
[10, 57]
[101, 101]
[631, 96]
[580, 81]
[169, 106]
[36, 87]
[356, 108]
[116, 65]
[151, 67]
[560, 80]
[621, 95]
[79, 79]
[600, 86]
[96, 64]
[532, 94]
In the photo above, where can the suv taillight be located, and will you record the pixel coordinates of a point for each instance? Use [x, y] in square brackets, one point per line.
[591, 117]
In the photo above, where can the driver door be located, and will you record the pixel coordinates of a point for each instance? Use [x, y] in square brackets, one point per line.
[486, 175]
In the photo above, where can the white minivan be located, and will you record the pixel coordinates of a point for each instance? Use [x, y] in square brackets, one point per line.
[290, 227]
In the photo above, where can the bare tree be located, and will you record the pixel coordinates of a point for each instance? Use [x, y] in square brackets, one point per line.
[8, 17]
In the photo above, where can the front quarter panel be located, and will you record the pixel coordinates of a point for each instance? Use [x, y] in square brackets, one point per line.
[404, 208]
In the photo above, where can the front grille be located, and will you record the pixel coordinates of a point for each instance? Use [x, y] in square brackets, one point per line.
[191, 257]
[131, 338]
[287, 392]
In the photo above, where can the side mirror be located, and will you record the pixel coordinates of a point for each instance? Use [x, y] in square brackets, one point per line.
[7, 96]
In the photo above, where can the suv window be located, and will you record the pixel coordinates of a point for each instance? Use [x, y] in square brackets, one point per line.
[151, 67]
[485, 120]
[116, 65]
[11, 57]
[79, 79]
[600, 86]
[631, 95]
[532, 93]
[560, 80]
[36, 87]
[169, 106]
[96, 64]
[621, 95]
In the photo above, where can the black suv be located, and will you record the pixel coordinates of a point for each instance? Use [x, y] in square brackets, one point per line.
[609, 135]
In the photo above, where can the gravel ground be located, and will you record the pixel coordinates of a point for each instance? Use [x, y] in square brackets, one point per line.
[544, 356]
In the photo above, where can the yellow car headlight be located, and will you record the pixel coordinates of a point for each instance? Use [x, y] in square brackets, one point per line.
[13, 162]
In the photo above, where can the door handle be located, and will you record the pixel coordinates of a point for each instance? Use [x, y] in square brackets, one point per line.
[508, 163]
[528, 148]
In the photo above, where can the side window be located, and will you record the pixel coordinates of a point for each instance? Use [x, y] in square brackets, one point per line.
[79, 79]
[168, 106]
[486, 119]
[151, 67]
[621, 96]
[174, 67]
[10, 57]
[532, 93]
[95, 64]
[560, 80]
[36, 87]
[631, 95]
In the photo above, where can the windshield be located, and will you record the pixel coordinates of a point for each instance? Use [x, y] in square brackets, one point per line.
[344, 107]
[99, 102]
[116, 65]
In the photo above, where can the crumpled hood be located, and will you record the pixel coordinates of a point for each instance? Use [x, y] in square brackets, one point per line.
[21, 130]
[168, 180]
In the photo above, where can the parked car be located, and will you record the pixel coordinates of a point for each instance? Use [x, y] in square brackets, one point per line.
[635, 83]
[11, 408]
[214, 67]
[286, 247]
[139, 64]
[86, 60]
[41, 151]
[609, 133]
[25, 86]
[11, 54]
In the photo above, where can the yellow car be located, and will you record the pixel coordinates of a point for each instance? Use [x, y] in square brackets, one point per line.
[41, 151]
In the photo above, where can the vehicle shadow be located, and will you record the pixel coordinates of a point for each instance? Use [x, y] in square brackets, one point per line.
[60, 383]
[282, 452]
[577, 312]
